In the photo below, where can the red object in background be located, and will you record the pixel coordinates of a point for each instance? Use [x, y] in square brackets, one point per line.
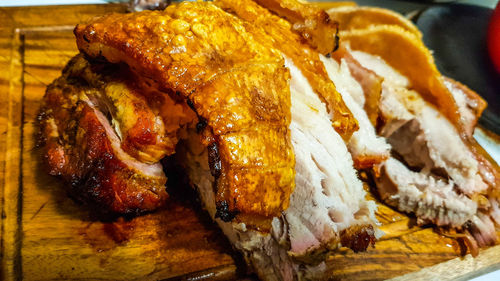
[494, 38]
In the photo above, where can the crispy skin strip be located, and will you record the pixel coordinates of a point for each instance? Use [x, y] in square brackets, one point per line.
[312, 23]
[363, 17]
[204, 55]
[330, 5]
[407, 54]
[255, 159]
[274, 32]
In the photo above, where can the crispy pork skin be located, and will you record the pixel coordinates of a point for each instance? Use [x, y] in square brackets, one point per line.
[202, 55]
[82, 147]
[276, 33]
[313, 24]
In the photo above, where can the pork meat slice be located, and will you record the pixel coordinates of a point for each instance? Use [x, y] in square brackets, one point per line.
[366, 148]
[431, 199]
[83, 148]
[327, 209]
[419, 133]
[470, 104]
[369, 81]
[136, 113]
[434, 200]
[331, 197]
[436, 167]
[426, 139]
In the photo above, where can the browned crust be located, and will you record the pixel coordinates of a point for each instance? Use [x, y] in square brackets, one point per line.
[312, 23]
[78, 150]
[350, 18]
[358, 237]
[135, 111]
[367, 161]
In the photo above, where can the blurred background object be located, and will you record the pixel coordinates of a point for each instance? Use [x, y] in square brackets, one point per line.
[405, 6]
[494, 38]
[140, 5]
[457, 33]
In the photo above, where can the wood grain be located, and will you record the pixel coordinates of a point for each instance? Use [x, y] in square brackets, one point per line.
[45, 235]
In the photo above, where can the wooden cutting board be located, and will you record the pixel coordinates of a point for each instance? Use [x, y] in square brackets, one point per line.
[46, 235]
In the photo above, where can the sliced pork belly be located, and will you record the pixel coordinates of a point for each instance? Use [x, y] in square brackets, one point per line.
[239, 88]
[429, 141]
[196, 53]
[327, 209]
[365, 146]
[437, 175]
[331, 197]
